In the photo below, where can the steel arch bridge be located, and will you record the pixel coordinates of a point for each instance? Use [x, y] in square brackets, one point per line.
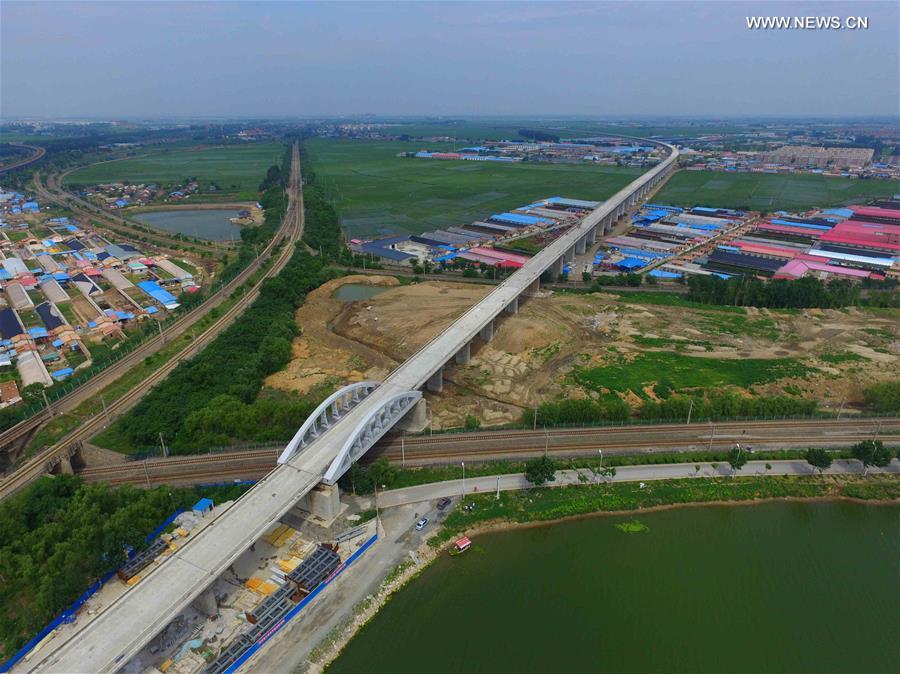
[338, 403]
[375, 424]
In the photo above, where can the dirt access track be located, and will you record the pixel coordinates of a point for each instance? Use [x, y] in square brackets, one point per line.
[534, 353]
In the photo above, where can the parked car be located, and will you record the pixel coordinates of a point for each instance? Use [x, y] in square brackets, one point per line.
[443, 503]
[421, 524]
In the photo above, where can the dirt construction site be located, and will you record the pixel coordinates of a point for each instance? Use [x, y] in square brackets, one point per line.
[834, 353]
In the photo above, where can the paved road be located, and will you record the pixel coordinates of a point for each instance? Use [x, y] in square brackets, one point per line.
[481, 485]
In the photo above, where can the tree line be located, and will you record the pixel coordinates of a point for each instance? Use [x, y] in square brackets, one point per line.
[807, 292]
[60, 535]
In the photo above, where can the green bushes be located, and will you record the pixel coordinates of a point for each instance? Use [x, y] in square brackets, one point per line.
[726, 405]
[226, 377]
[59, 535]
[535, 505]
[573, 411]
[883, 397]
[322, 229]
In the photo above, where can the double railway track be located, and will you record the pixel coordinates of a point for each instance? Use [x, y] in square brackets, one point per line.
[499, 445]
[290, 232]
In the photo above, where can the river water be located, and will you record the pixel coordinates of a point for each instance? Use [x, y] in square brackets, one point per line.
[777, 587]
[212, 224]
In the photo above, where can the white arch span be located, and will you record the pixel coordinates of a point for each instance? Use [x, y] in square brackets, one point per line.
[375, 424]
[318, 422]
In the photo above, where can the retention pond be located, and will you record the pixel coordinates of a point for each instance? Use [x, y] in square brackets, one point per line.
[212, 224]
[354, 292]
[776, 587]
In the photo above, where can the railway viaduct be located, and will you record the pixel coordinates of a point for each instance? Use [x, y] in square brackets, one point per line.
[343, 428]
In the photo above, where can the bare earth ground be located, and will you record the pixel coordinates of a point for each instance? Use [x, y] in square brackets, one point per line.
[533, 351]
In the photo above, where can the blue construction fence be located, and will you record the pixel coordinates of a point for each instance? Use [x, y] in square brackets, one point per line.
[69, 614]
[299, 607]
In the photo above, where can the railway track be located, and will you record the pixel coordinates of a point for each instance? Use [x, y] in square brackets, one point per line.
[290, 232]
[37, 153]
[484, 446]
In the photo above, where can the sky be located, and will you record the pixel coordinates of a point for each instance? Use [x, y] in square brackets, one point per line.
[285, 59]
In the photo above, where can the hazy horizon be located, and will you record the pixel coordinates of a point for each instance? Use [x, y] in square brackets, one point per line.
[514, 60]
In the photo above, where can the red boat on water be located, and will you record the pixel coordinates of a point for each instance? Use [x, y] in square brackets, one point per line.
[461, 546]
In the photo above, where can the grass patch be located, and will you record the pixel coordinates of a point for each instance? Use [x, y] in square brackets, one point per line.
[633, 527]
[678, 372]
[763, 192]
[538, 505]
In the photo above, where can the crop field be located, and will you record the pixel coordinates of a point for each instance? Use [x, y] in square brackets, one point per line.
[375, 191]
[764, 192]
[237, 170]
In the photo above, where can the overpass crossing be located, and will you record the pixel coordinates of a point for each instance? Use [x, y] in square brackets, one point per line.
[110, 640]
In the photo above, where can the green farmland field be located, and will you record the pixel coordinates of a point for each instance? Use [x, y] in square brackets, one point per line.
[764, 192]
[376, 191]
[236, 169]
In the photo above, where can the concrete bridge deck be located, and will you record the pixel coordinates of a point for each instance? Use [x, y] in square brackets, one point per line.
[109, 641]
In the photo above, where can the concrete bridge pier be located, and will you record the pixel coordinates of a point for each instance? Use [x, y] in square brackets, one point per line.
[487, 332]
[557, 268]
[206, 604]
[512, 307]
[570, 254]
[533, 288]
[416, 420]
[581, 245]
[592, 235]
[323, 502]
[464, 354]
[435, 382]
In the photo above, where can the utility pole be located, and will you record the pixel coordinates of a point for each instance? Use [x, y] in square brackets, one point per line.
[690, 409]
[712, 434]
[162, 443]
[498, 487]
[402, 452]
[841, 409]
[377, 517]
[464, 480]
[105, 411]
[47, 403]
[161, 336]
[534, 425]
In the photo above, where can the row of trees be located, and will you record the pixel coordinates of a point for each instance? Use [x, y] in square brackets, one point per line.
[322, 229]
[806, 292]
[712, 404]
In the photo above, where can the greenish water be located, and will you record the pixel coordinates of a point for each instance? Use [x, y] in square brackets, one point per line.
[212, 224]
[778, 587]
[352, 292]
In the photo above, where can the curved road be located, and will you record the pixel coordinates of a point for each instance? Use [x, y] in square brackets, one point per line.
[37, 153]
